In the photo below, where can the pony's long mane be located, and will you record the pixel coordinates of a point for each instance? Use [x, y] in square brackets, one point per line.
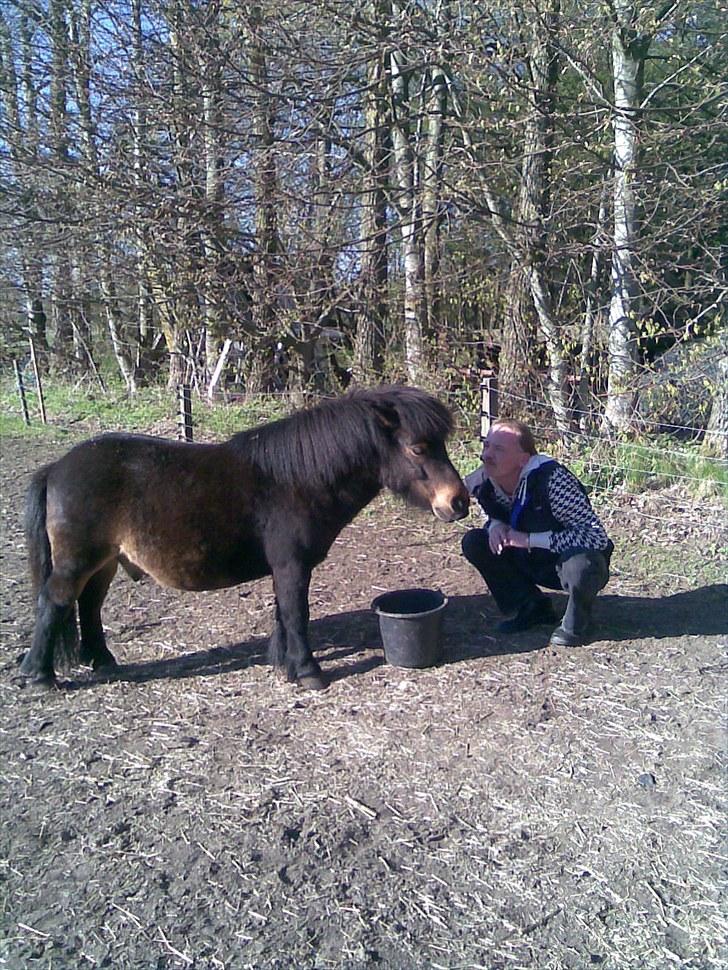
[340, 436]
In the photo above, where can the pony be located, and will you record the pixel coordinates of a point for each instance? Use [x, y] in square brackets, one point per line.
[270, 500]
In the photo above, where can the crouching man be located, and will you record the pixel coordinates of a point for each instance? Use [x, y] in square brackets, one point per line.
[541, 530]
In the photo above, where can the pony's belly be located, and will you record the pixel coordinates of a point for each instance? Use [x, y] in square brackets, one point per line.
[195, 570]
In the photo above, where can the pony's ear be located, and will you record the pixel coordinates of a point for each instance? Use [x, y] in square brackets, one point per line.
[386, 415]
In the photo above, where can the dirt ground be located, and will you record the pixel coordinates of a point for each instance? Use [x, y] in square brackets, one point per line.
[517, 806]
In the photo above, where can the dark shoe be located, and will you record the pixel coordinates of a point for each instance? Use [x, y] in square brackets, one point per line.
[533, 613]
[562, 638]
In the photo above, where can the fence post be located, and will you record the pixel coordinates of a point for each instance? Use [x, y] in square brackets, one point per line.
[38, 382]
[488, 404]
[21, 390]
[184, 417]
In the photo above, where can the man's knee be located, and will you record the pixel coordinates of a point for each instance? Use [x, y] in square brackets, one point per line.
[475, 545]
[585, 571]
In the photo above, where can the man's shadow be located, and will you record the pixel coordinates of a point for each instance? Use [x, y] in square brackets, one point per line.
[352, 642]
[697, 612]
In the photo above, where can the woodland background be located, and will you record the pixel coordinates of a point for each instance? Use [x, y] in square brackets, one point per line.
[293, 196]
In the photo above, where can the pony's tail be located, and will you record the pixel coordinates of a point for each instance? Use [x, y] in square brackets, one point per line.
[40, 562]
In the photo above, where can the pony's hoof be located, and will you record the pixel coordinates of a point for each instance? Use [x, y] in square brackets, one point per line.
[35, 683]
[106, 666]
[313, 682]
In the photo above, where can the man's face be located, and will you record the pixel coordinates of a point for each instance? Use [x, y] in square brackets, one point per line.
[502, 455]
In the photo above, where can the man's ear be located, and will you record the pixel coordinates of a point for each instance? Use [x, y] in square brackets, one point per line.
[387, 415]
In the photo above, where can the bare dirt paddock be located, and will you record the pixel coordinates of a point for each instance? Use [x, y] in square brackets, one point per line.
[516, 807]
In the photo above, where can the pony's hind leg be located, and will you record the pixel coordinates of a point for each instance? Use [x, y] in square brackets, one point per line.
[93, 641]
[54, 623]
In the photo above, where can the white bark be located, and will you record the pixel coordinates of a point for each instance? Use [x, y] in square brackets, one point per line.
[628, 57]
[107, 285]
[406, 203]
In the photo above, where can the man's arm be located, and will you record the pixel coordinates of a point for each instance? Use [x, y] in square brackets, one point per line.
[570, 506]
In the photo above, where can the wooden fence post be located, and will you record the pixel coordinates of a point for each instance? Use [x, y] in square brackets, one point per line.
[21, 390]
[38, 382]
[184, 417]
[488, 404]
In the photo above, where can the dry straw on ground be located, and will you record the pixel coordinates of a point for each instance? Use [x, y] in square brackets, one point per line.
[516, 807]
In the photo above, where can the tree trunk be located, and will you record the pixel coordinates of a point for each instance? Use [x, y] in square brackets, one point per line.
[431, 201]
[716, 435]
[629, 51]
[405, 199]
[22, 137]
[61, 296]
[81, 60]
[265, 276]
[531, 242]
[213, 242]
[584, 375]
[144, 310]
[370, 333]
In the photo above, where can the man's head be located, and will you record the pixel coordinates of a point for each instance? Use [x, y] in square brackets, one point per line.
[506, 451]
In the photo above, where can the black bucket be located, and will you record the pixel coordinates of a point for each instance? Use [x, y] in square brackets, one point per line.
[410, 621]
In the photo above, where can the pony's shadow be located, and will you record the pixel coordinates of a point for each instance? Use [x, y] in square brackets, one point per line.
[352, 640]
[348, 638]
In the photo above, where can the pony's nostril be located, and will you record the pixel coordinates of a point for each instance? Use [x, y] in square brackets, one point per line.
[462, 504]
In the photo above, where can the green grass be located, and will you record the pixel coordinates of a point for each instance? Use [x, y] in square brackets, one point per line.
[89, 410]
[647, 464]
[67, 405]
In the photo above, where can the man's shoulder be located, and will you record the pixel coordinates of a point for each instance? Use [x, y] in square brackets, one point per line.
[475, 481]
[563, 475]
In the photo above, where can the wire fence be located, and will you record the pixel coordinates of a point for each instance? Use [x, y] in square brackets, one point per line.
[617, 472]
[534, 405]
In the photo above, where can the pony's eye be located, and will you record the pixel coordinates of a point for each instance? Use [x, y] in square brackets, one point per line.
[418, 450]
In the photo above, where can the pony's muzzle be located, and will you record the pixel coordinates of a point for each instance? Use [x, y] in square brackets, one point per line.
[454, 508]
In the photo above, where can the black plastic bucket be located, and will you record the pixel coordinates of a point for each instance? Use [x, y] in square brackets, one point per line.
[410, 621]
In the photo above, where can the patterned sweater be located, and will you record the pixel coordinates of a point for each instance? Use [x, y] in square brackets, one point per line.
[549, 503]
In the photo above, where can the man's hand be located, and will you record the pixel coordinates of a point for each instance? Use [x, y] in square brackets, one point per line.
[517, 540]
[497, 536]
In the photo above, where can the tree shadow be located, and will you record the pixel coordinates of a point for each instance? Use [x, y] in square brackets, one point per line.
[353, 642]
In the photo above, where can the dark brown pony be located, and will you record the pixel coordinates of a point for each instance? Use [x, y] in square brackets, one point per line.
[270, 501]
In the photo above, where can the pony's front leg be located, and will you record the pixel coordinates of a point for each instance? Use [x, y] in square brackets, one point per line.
[291, 582]
[277, 642]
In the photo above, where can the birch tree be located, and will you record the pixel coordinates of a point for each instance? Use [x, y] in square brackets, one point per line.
[633, 32]
[20, 104]
[405, 197]
[373, 237]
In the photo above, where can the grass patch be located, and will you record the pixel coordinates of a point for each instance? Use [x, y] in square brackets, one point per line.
[641, 465]
[89, 410]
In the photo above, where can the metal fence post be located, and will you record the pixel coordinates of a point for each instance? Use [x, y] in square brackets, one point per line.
[488, 404]
[184, 418]
[21, 390]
